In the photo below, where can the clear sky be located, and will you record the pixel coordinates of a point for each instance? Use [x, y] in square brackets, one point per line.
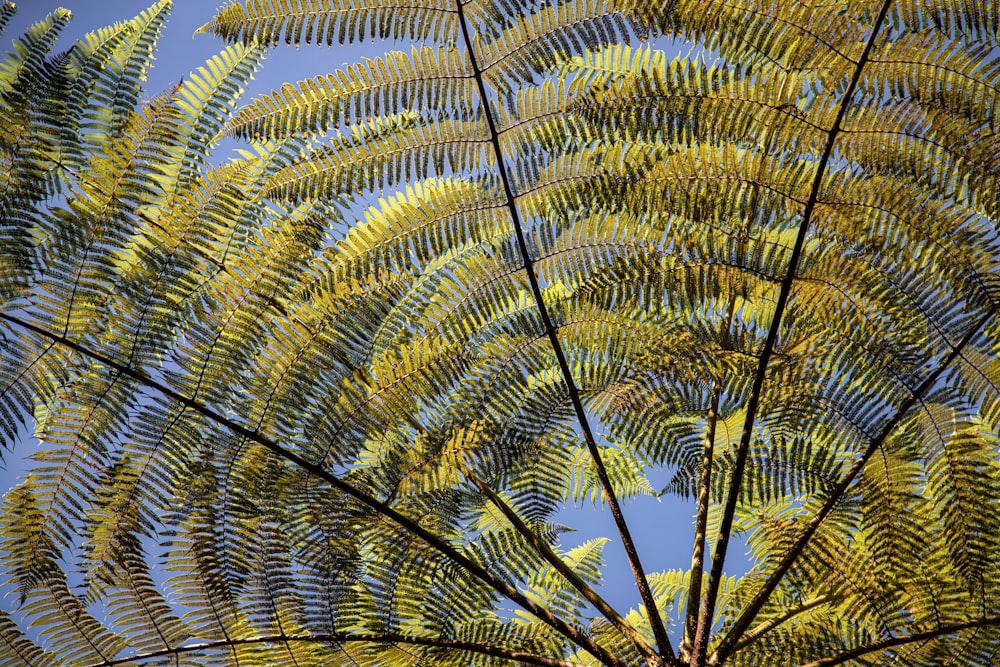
[662, 529]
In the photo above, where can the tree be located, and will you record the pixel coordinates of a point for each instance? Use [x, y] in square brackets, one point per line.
[322, 403]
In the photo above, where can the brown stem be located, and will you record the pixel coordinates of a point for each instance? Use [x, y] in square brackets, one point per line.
[648, 601]
[729, 511]
[701, 529]
[493, 581]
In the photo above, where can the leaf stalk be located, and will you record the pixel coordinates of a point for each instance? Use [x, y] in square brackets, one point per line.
[649, 603]
[753, 402]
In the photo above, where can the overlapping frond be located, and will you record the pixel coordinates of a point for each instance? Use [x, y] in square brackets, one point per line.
[329, 400]
[32, 85]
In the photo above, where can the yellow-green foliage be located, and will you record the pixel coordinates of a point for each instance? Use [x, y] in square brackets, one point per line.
[322, 403]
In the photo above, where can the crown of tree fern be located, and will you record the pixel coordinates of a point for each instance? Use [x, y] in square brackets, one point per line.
[324, 401]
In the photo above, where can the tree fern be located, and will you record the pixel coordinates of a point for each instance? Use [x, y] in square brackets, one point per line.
[327, 400]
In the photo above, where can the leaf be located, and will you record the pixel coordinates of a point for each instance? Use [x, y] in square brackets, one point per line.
[332, 397]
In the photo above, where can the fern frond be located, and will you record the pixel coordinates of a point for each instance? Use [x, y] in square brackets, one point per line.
[327, 401]
[959, 471]
[409, 149]
[117, 85]
[534, 41]
[28, 59]
[424, 78]
[7, 11]
[208, 97]
[269, 22]
[19, 650]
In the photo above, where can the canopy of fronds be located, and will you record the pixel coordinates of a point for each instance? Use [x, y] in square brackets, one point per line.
[324, 402]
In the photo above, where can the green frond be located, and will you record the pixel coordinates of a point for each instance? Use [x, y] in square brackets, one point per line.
[139, 612]
[119, 67]
[409, 148]
[967, 21]
[7, 11]
[19, 650]
[402, 233]
[209, 96]
[889, 490]
[333, 398]
[32, 86]
[963, 487]
[31, 50]
[97, 70]
[62, 619]
[422, 78]
[550, 588]
[529, 44]
[270, 22]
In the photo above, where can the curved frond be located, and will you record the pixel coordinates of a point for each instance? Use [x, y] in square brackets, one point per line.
[271, 22]
[338, 396]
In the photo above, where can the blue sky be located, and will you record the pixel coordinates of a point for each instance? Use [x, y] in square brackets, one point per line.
[663, 529]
